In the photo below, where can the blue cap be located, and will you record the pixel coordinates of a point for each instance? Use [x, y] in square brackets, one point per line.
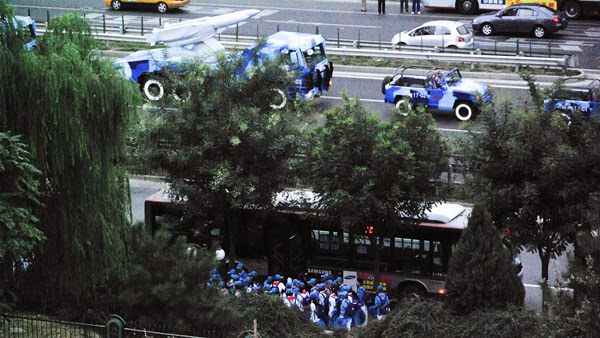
[338, 280]
[269, 279]
[322, 286]
[208, 284]
[278, 276]
[380, 288]
[239, 266]
[252, 273]
[274, 290]
[288, 285]
[234, 276]
[325, 276]
[289, 292]
[312, 281]
[295, 281]
[230, 272]
[301, 285]
[342, 294]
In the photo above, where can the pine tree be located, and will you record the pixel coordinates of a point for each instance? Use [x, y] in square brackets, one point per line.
[481, 274]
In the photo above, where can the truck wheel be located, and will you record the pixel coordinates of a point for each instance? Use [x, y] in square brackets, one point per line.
[401, 100]
[386, 80]
[279, 99]
[153, 89]
[116, 5]
[181, 94]
[463, 111]
[162, 7]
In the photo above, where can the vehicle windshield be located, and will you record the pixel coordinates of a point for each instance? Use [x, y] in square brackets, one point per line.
[453, 77]
[314, 55]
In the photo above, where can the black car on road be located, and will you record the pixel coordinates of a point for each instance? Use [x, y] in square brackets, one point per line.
[535, 19]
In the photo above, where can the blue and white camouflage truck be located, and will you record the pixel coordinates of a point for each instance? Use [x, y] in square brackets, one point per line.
[585, 101]
[443, 92]
[194, 39]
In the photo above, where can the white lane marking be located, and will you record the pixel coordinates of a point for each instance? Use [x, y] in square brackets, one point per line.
[551, 287]
[361, 100]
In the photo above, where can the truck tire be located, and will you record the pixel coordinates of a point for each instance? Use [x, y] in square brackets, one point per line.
[401, 100]
[463, 111]
[279, 99]
[153, 89]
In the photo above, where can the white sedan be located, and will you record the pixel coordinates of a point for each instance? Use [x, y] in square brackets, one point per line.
[442, 33]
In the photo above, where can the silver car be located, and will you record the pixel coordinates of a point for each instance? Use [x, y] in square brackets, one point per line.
[441, 33]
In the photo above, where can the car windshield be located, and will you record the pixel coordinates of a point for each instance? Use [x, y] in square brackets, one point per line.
[453, 77]
[314, 55]
[462, 30]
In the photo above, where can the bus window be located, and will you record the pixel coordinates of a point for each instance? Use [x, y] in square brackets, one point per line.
[437, 255]
[362, 244]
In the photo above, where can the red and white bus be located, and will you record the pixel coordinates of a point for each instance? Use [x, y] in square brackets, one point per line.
[291, 240]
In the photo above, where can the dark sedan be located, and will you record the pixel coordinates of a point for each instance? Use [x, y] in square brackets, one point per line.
[533, 19]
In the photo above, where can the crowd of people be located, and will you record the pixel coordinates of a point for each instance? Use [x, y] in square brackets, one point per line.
[327, 302]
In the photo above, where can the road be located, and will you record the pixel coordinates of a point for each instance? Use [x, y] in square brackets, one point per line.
[333, 19]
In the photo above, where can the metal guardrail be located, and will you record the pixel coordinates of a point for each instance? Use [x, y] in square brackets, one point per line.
[434, 54]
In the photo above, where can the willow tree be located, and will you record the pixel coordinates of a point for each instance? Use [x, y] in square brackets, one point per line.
[74, 114]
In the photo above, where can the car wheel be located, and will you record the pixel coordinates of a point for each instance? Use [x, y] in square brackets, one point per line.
[385, 81]
[539, 32]
[181, 94]
[411, 291]
[487, 29]
[153, 89]
[162, 7]
[467, 6]
[572, 9]
[279, 100]
[116, 5]
[463, 111]
[401, 101]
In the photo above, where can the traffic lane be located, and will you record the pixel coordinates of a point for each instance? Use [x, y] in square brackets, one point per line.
[141, 188]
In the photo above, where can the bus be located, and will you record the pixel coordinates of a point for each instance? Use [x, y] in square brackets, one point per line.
[472, 6]
[574, 9]
[294, 241]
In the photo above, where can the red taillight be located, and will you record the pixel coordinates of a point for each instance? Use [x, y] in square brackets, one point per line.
[556, 19]
[442, 291]
[461, 39]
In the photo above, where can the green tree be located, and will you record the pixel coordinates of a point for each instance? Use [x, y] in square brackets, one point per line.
[534, 173]
[367, 173]
[480, 274]
[74, 114]
[19, 197]
[225, 149]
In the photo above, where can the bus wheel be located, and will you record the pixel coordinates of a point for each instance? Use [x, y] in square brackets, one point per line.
[411, 291]
[153, 89]
[467, 6]
[572, 9]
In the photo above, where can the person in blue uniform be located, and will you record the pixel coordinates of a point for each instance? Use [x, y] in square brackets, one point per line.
[382, 304]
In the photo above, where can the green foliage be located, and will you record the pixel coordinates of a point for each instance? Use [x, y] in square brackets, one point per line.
[534, 172]
[74, 114]
[480, 273]
[225, 148]
[19, 197]
[367, 172]
[427, 318]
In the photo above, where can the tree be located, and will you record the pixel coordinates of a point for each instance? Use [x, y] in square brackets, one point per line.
[368, 173]
[19, 197]
[73, 113]
[534, 172]
[480, 274]
[225, 149]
